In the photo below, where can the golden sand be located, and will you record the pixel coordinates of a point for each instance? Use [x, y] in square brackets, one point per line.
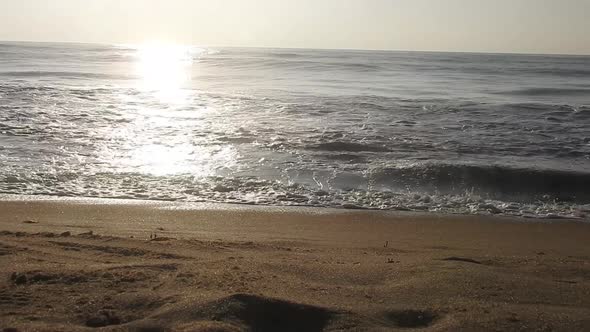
[145, 266]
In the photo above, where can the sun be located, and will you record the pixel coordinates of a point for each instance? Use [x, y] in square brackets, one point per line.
[164, 69]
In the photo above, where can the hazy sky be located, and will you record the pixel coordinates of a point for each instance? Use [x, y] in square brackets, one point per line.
[537, 26]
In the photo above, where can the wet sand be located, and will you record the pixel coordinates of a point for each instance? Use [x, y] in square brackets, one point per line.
[143, 266]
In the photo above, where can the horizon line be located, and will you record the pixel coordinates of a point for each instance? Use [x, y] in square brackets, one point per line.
[306, 48]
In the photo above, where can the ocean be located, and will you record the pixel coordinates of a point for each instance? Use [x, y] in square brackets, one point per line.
[409, 131]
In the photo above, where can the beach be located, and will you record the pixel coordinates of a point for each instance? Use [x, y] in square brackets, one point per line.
[118, 265]
[152, 182]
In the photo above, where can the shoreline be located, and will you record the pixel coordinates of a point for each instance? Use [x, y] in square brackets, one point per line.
[216, 206]
[131, 217]
[79, 264]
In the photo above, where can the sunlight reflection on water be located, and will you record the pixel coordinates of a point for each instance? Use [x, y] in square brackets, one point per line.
[158, 138]
[166, 70]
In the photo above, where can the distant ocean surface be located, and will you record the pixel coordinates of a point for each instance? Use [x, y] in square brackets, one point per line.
[439, 132]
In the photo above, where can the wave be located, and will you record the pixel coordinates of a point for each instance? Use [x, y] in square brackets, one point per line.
[498, 182]
[290, 62]
[287, 55]
[548, 91]
[515, 70]
[62, 74]
[574, 72]
[253, 190]
[348, 147]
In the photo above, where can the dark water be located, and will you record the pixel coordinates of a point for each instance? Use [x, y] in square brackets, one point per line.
[444, 132]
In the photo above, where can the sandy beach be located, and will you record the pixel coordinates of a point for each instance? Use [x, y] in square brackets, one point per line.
[80, 265]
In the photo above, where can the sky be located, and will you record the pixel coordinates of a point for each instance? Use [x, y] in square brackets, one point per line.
[513, 26]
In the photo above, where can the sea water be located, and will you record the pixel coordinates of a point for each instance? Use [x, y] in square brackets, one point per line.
[439, 132]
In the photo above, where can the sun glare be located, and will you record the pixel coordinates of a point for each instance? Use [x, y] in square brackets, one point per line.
[165, 69]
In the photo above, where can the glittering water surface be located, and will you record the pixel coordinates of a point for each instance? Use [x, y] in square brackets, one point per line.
[467, 133]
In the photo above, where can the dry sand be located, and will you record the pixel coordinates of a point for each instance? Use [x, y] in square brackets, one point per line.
[238, 268]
